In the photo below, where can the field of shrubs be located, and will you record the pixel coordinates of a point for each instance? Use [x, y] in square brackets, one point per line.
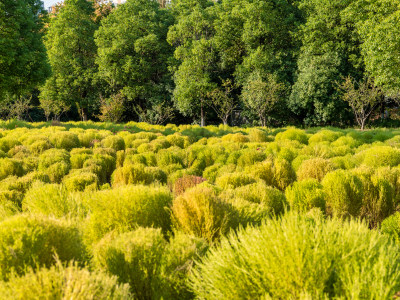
[135, 211]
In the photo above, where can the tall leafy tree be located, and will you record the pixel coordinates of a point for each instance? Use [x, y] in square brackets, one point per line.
[192, 38]
[23, 59]
[377, 22]
[72, 53]
[133, 54]
[330, 51]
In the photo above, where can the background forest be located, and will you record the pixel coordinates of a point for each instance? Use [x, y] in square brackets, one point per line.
[241, 62]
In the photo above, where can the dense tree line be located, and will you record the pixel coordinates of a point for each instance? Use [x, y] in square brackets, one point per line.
[278, 62]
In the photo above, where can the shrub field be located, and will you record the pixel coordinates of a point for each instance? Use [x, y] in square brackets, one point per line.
[138, 211]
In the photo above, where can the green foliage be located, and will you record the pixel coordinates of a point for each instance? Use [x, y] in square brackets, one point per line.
[32, 241]
[52, 200]
[123, 209]
[81, 181]
[381, 156]
[255, 202]
[22, 46]
[58, 282]
[133, 55]
[71, 50]
[137, 174]
[305, 195]
[315, 168]
[134, 257]
[113, 141]
[55, 163]
[344, 193]
[233, 180]
[178, 261]
[10, 167]
[297, 256]
[293, 135]
[64, 140]
[391, 226]
[201, 213]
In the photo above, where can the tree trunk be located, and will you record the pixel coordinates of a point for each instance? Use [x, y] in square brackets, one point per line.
[362, 125]
[202, 121]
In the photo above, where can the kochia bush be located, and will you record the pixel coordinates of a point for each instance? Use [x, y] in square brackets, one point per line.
[300, 257]
[344, 193]
[58, 282]
[123, 209]
[135, 258]
[305, 195]
[32, 241]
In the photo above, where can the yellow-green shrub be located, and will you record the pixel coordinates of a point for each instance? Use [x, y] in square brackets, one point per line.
[51, 200]
[64, 140]
[199, 212]
[344, 193]
[60, 282]
[305, 195]
[54, 163]
[293, 135]
[8, 209]
[135, 258]
[379, 194]
[123, 209]
[381, 156]
[234, 180]
[10, 167]
[39, 146]
[284, 174]
[255, 202]
[131, 174]
[258, 135]
[80, 181]
[391, 227]
[325, 135]
[315, 168]
[78, 156]
[300, 257]
[32, 241]
[113, 141]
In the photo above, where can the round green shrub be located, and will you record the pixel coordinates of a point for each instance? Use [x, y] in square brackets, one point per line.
[258, 136]
[379, 194]
[131, 174]
[293, 135]
[305, 195]
[381, 156]
[80, 181]
[315, 168]
[177, 262]
[284, 174]
[113, 141]
[64, 140]
[344, 193]
[272, 199]
[7, 143]
[135, 258]
[60, 282]
[33, 241]
[10, 167]
[234, 180]
[123, 209]
[51, 200]
[78, 158]
[325, 135]
[391, 226]
[8, 209]
[52, 156]
[201, 213]
[300, 257]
